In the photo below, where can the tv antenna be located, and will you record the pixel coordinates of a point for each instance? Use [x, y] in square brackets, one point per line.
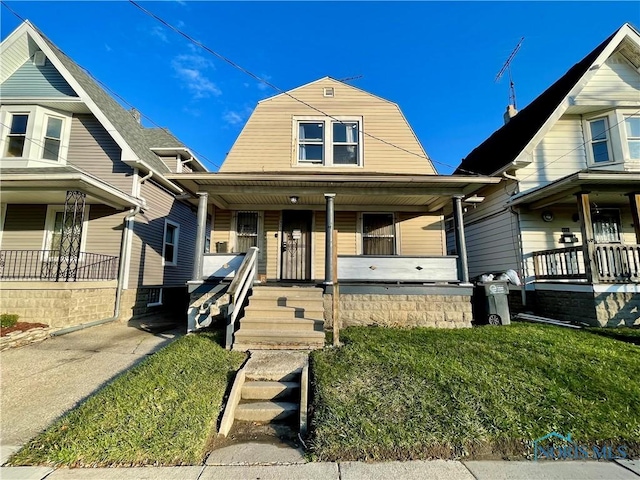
[348, 79]
[507, 68]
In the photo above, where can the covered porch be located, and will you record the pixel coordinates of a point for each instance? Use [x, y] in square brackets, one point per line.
[591, 219]
[377, 234]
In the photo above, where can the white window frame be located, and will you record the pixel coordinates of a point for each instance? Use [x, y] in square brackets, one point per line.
[327, 147]
[233, 247]
[159, 302]
[360, 230]
[36, 131]
[608, 140]
[176, 243]
[49, 223]
[622, 116]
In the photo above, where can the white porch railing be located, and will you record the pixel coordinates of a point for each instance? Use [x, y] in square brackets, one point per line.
[221, 265]
[242, 282]
[397, 268]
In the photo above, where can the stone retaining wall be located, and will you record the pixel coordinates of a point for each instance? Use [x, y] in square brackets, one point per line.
[19, 339]
[405, 311]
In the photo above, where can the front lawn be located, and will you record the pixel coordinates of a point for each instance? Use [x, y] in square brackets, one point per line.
[482, 392]
[159, 413]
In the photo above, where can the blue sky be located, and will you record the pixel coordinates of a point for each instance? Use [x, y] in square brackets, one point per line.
[437, 60]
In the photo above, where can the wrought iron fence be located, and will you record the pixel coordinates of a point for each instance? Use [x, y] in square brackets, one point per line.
[44, 265]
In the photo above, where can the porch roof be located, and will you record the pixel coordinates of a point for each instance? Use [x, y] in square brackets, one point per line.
[48, 185]
[257, 190]
[613, 184]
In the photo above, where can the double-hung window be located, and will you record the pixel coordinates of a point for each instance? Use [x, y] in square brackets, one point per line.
[16, 138]
[52, 138]
[632, 131]
[600, 145]
[328, 141]
[378, 234]
[170, 244]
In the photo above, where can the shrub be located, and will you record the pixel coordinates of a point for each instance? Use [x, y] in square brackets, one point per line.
[8, 320]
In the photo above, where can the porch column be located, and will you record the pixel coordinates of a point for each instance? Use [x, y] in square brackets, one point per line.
[201, 232]
[461, 244]
[328, 241]
[586, 228]
[634, 202]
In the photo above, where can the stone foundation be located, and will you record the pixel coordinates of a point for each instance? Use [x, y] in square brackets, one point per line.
[606, 309]
[400, 310]
[58, 304]
[19, 339]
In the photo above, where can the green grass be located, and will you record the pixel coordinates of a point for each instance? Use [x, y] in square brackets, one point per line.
[482, 392]
[624, 334]
[159, 413]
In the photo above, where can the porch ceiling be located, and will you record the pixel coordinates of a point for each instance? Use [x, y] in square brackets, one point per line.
[273, 191]
[605, 187]
[49, 186]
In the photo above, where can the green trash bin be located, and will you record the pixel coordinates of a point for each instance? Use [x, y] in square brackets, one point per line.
[492, 303]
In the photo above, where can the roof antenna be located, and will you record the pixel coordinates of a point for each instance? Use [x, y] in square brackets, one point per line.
[512, 107]
[348, 79]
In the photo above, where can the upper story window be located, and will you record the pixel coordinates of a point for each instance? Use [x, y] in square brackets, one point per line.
[34, 133]
[170, 244]
[613, 137]
[326, 141]
[632, 131]
[600, 146]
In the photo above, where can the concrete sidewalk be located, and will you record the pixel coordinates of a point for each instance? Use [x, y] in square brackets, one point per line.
[414, 470]
[41, 381]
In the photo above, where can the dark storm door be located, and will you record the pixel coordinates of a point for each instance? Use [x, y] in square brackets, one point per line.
[296, 245]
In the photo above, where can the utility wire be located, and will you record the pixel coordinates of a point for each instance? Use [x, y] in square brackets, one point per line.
[279, 90]
[12, 11]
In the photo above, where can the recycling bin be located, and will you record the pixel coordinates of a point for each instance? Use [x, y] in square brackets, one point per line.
[491, 303]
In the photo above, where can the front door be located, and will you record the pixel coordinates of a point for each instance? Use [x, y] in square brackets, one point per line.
[296, 245]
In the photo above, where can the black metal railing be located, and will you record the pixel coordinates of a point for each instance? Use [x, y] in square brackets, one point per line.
[44, 265]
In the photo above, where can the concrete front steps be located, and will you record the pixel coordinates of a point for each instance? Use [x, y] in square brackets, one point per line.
[282, 318]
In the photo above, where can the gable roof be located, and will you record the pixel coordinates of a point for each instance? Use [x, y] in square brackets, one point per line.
[506, 143]
[130, 135]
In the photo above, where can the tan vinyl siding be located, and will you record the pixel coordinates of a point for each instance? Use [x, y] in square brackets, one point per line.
[269, 259]
[267, 142]
[560, 153]
[104, 230]
[345, 224]
[615, 80]
[221, 228]
[420, 234]
[318, 242]
[24, 227]
[93, 150]
[146, 260]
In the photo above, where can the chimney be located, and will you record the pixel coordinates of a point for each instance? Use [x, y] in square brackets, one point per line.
[136, 114]
[510, 113]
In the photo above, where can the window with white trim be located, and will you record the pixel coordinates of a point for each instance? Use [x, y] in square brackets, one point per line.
[170, 243]
[54, 222]
[632, 132]
[599, 139]
[246, 231]
[378, 234]
[154, 297]
[335, 141]
[34, 133]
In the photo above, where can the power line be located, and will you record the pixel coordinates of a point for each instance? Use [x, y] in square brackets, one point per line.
[12, 11]
[279, 90]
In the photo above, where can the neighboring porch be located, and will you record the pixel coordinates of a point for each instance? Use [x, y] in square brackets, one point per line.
[377, 237]
[595, 216]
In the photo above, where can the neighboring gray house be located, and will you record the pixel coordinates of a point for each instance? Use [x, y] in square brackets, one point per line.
[90, 225]
[566, 215]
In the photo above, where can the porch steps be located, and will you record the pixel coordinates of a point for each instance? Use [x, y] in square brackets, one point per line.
[282, 318]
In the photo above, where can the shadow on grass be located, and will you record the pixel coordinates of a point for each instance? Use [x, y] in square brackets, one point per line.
[628, 335]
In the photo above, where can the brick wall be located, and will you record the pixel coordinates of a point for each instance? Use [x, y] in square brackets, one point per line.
[439, 311]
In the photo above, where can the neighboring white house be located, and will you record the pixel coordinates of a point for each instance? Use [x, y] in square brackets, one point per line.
[566, 216]
[90, 227]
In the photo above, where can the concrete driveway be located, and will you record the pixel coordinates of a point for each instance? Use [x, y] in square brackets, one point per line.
[40, 382]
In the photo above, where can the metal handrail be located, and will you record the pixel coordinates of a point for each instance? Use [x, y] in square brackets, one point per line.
[240, 285]
[41, 265]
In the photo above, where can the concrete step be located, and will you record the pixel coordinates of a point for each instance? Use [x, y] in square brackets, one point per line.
[274, 376]
[270, 390]
[284, 312]
[286, 302]
[280, 324]
[274, 336]
[266, 411]
[288, 292]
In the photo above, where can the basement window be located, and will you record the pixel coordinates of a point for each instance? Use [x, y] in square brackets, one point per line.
[154, 298]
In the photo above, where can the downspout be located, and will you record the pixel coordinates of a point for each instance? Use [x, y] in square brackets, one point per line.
[124, 252]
